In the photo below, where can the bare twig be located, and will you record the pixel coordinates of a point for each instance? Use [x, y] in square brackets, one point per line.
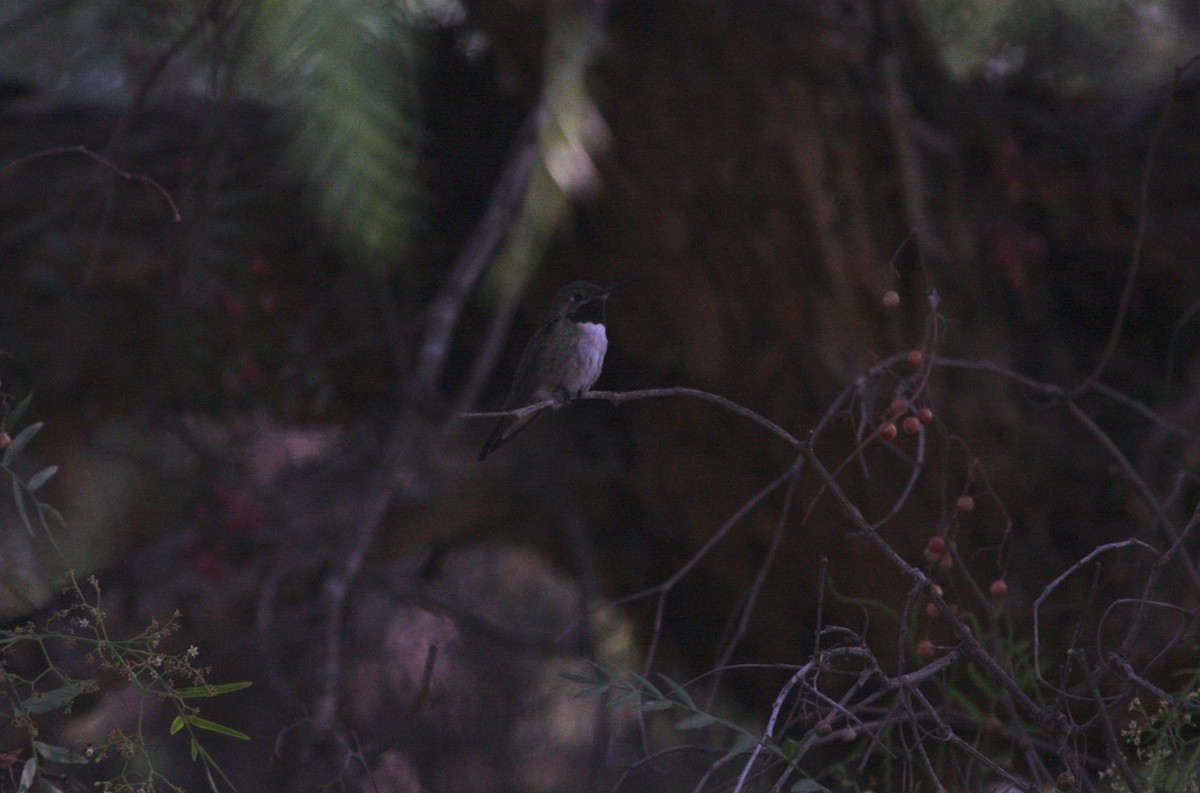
[1115, 755]
[443, 314]
[1139, 484]
[109, 164]
[1139, 237]
[1063, 576]
[619, 397]
[338, 583]
[157, 69]
[769, 731]
[764, 567]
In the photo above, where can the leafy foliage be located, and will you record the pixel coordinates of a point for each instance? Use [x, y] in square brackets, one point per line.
[1166, 741]
[31, 697]
[45, 669]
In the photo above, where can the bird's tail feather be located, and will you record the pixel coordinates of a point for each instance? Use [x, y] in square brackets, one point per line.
[505, 429]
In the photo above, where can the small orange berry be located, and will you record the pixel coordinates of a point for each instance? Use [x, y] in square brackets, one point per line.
[912, 425]
[998, 589]
[965, 503]
[888, 431]
[925, 416]
[891, 298]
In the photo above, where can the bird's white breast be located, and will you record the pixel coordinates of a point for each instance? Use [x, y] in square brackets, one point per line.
[589, 352]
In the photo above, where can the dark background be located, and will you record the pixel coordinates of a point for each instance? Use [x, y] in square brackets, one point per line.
[249, 402]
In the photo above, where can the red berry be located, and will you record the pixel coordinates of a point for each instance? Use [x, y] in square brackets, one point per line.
[916, 358]
[822, 728]
[925, 650]
[912, 425]
[888, 431]
[925, 416]
[998, 589]
[965, 503]
[935, 548]
[891, 298]
[6, 440]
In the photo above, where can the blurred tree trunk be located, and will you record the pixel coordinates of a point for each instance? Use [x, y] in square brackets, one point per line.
[774, 168]
[771, 164]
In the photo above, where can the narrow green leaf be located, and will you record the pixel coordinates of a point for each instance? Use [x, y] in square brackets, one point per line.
[981, 681]
[28, 774]
[695, 722]
[14, 416]
[790, 750]
[744, 743]
[646, 684]
[59, 754]
[212, 783]
[605, 675]
[622, 698]
[195, 749]
[19, 498]
[196, 692]
[683, 695]
[57, 697]
[18, 443]
[808, 786]
[655, 704]
[220, 729]
[594, 691]
[177, 725]
[574, 678]
[46, 509]
[41, 478]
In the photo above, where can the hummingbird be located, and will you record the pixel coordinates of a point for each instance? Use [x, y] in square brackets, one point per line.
[561, 361]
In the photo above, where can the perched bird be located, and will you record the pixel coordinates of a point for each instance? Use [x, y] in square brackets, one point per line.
[561, 361]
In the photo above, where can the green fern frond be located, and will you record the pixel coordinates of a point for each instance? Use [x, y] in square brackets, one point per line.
[347, 70]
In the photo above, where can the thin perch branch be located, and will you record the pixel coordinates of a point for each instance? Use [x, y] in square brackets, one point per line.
[618, 397]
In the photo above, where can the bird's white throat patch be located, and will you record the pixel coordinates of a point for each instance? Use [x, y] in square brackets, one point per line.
[590, 349]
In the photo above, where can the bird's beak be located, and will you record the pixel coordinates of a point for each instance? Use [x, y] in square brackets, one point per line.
[619, 285]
